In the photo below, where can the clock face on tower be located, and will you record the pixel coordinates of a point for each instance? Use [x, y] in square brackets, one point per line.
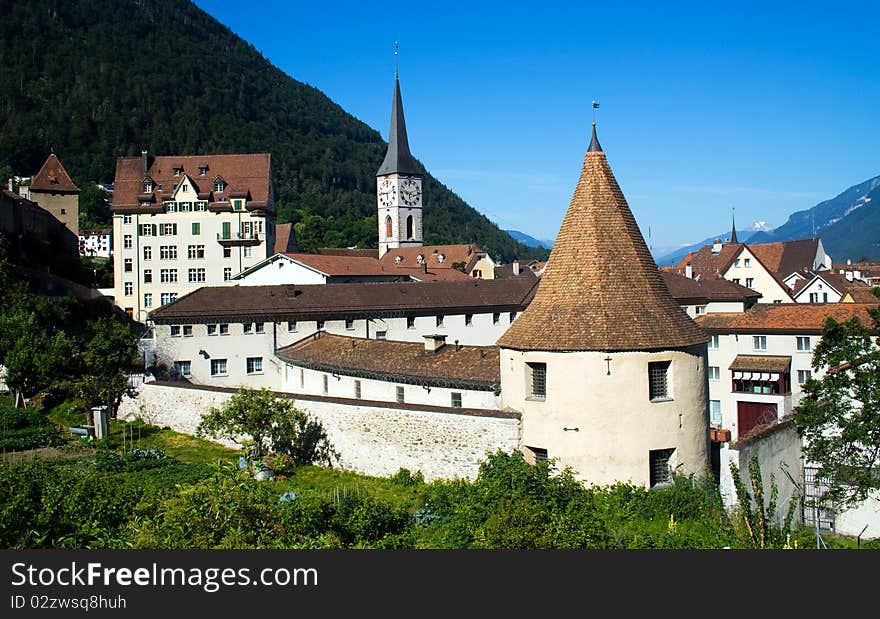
[410, 192]
[387, 192]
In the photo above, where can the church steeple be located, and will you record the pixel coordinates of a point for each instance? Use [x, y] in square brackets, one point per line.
[733, 229]
[398, 159]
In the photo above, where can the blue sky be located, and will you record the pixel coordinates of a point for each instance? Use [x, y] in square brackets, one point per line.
[768, 109]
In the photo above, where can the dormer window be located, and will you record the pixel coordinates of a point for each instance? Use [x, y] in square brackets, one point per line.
[397, 260]
[177, 171]
[238, 205]
[441, 258]
[420, 259]
[147, 185]
[219, 185]
[203, 169]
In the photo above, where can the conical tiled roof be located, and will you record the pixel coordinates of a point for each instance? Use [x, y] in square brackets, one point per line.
[53, 177]
[398, 158]
[601, 289]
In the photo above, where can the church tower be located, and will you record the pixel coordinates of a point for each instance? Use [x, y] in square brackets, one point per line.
[607, 370]
[399, 187]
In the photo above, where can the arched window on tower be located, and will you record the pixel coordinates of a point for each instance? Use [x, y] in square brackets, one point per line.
[389, 228]
[409, 227]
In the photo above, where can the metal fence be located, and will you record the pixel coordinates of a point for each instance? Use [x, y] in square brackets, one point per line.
[813, 510]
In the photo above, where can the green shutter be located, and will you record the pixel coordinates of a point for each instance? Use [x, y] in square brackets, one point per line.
[196, 228]
[227, 230]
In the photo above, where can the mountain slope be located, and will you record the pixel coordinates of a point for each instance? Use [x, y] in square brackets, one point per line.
[528, 240]
[743, 236]
[822, 217]
[95, 79]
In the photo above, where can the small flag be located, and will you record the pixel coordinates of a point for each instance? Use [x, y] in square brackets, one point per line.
[595, 105]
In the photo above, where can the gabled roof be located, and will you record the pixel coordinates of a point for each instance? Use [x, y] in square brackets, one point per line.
[53, 177]
[839, 283]
[704, 290]
[329, 266]
[785, 317]
[244, 173]
[339, 301]
[349, 251]
[601, 289]
[785, 257]
[472, 367]
[467, 253]
[860, 295]
[285, 239]
[707, 264]
[398, 158]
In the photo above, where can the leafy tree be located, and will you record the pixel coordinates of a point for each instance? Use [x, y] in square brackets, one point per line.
[110, 354]
[839, 415]
[271, 424]
[94, 207]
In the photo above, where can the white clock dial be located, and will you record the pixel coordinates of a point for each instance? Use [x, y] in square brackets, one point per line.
[410, 192]
[387, 192]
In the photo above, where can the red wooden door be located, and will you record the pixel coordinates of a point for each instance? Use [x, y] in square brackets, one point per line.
[751, 414]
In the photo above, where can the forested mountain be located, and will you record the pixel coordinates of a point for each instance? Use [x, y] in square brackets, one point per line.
[96, 79]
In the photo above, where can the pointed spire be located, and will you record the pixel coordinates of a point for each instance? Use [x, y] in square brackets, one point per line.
[733, 228]
[595, 147]
[601, 289]
[398, 158]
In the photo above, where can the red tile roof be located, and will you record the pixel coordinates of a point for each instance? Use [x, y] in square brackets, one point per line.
[431, 254]
[473, 367]
[343, 265]
[349, 251]
[244, 174]
[787, 257]
[53, 177]
[785, 317]
[707, 264]
[285, 239]
[601, 289]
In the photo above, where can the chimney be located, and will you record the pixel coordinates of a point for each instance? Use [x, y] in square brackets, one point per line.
[144, 160]
[848, 261]
[516, 267]
[688, 271]
[716, 247]
[434, 343]
[424, 267]
[849, 276]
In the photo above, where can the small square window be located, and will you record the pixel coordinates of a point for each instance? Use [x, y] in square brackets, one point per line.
[496, 317]
[803, 376]
[536, 374]
[658, 380]
[254, 365]
[400, 394]
[381, 335]
[750, 282]
[227, 252]
[512, 316]
[438, 321]
[320, 325]
[803, 344]
[182, 368]
[456, 400]
[196, 229]
[759, 342]
[714, 372]
[218, 367]
[224, 328]
[747, 262]
[260, 327]
[247, 328]
[410, 322]
[291, 326]
[349, 325]
[211, 329]
[175, 330]
[659, 459]
[187, 330]
[357, 389]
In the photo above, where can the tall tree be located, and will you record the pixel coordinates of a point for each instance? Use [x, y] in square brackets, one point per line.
[110, 355]
[839, 416]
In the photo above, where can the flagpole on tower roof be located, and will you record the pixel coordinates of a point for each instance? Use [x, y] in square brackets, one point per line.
[595, 107]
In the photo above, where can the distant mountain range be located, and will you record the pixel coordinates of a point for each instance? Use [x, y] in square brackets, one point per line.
[848, 224]
[529, 241]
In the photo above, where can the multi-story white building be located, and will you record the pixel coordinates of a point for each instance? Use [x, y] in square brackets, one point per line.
[183, 222]
[96, 243]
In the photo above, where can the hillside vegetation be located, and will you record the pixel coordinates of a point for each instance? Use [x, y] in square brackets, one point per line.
[97, 79]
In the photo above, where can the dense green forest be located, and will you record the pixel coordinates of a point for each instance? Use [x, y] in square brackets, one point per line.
[97, 79]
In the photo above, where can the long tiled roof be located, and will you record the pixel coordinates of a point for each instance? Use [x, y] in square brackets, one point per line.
[474, 367]
[343, 265]
[340, 301]
[707, 289]
[431, 255]
[708, 264]
[785, 317]
[601, 289]
[245, 175]
[53, 177]
[761, 363]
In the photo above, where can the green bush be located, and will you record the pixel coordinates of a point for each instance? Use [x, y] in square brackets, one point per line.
[26, 428]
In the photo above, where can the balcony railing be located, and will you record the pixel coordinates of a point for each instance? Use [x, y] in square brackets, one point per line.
[239, 238]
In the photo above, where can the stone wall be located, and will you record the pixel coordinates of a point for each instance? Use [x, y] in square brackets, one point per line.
[371, 438]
